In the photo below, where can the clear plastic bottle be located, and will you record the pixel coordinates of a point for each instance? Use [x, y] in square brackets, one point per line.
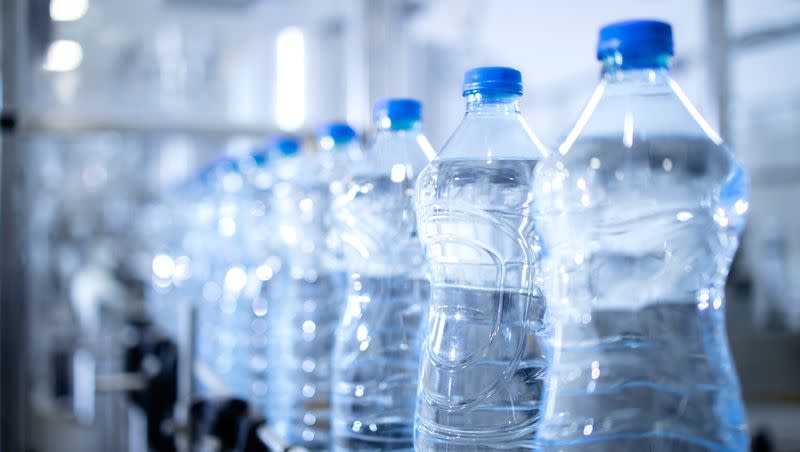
[641, 209]
[226, 267]
[307, 297]
[483, 356]
[376, 352]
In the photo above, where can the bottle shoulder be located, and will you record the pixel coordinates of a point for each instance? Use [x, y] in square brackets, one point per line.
[493, 138]
[399, 155]
[637, 112]
[642, 135]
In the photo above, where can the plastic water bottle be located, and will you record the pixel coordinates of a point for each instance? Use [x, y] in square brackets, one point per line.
[641, 209]
[483, 356]
[228, 313]
[376, 352]
[307, 298]
[207, 233]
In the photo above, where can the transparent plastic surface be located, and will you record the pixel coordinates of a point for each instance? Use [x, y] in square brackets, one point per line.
[376, 354]
[227, 263]
[641, 209]
[307, 296]
[483, 354]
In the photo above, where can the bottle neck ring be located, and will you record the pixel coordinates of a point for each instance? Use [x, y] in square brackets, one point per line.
[492, 102]
[386, 124]
[617, 62]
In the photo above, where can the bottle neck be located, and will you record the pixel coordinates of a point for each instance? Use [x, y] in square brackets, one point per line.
[649, 70]
[387, 126]
[492, 129]
[495, 104]
[329, 147]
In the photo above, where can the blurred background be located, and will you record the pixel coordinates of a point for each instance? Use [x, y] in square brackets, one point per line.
[108, 103]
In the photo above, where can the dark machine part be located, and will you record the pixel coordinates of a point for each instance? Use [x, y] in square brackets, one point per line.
[761, 442]
[155, 358]
[229, 422]
[249, 440]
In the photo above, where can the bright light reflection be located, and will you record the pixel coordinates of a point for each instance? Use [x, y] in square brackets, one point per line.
[423, 143]
[306, 204]
[260, 307]
[741, 207]
[702, 299]
[721, 218]
[264, 272]
[583, 119]
[595, 370]
[226, 226]
[695, 114]
[290, 89]
[398, 173]
[183, 268]
[627, 130]
[326, 143]
[357, 244]
[68, 10]
[163, 266]
[362, 333]
[236, 278]
[289, 234]
[63, 55]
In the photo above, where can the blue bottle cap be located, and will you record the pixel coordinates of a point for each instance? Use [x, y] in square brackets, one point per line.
[398, 110]
[339, 132]
[493, 79]
[286, 145]
[259, 157]
[635, 40]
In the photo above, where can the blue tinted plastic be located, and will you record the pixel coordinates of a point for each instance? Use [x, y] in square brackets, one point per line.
[376, 352]
[484, 352]
[641, 210]
[307, 295]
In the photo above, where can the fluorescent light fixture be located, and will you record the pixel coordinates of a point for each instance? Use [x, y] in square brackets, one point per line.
[63, 56]
[290, 90]
[68, 10]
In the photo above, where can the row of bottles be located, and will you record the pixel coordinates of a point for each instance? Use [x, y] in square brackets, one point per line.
[494, 295]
